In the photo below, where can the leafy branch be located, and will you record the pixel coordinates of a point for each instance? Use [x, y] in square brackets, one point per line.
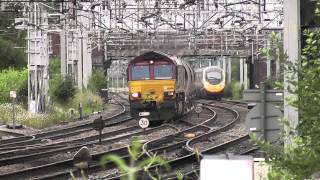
[135, 163]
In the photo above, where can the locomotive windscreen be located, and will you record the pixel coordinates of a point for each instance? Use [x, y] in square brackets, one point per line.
[140, 72]
[214, 76]
[163, 71]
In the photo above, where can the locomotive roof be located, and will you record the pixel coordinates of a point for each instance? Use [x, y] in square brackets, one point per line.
[156, 55]
[207, 68]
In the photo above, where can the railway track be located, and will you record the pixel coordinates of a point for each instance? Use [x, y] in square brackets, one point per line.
[177, 148]
[64, 165]
[41, 138]
[189, 164]
[95, 166]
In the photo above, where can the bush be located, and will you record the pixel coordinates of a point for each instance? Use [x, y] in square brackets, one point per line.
[54, 67]
[90, 102]
[227, 93]
[97, 81]
[62, 89]
[233, 90]
[11, 79]
[237, 91]
[10, 57]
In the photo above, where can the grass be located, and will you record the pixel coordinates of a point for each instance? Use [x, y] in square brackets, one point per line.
[37, 121]
[60, 114]
[90, 102]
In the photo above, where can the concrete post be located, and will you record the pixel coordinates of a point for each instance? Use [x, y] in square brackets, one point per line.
[219, 62]
[224, 65]
[111, 82]
[80, 57]
[268, 62]
[117, 82]
[63, 52]
[38, 60]
[292, 42]
[229, 69]
[241, 70]
[262, 109]
[245, 75]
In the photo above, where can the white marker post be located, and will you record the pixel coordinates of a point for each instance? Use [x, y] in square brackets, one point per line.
[144, 123]
[13, 95]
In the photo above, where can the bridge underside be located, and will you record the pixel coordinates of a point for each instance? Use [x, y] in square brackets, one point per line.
[183, 44]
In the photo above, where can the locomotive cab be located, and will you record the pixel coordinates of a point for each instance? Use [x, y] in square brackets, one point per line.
[157, 84]
[211, 82]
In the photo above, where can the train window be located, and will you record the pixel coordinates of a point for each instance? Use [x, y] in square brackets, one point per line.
[140, 72]
[214, 77]
[163, 71]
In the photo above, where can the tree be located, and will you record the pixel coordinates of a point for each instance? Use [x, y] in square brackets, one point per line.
[11, 57]
[301, 159]
[62, 89]
[7, 19]
[97, 81]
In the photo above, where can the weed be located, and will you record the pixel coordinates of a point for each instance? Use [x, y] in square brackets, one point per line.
[135, 164]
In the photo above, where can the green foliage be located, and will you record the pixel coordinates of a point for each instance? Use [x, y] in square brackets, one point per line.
[11, 57]
[97, 81]
[90, 102]
[227, 93]
[11, 79]
[235, 69]
[64, 93]
[301, 159]
[54, 67]
[179, 175]
[135, 165]
[276, 53]
[38, 121]
[62, 89]
[9, 33]
[237, 91]
[10, 38]
[233, 90]
[22, 91]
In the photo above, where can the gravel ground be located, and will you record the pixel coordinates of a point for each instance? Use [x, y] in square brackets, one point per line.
[23, 131]
[148, 137]
[79, 136]
[93, 132]
[93, 150]
[194, 119]
[240, 148]
[233, 133]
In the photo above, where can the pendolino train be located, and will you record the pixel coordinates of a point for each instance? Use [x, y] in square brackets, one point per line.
[210, 82]
[160, 86]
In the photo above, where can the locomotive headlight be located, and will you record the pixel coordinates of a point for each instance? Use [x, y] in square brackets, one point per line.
[135, 95]
[168, 94]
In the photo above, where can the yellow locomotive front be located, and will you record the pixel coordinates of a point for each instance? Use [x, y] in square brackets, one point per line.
[210, 82]
[152, 86]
